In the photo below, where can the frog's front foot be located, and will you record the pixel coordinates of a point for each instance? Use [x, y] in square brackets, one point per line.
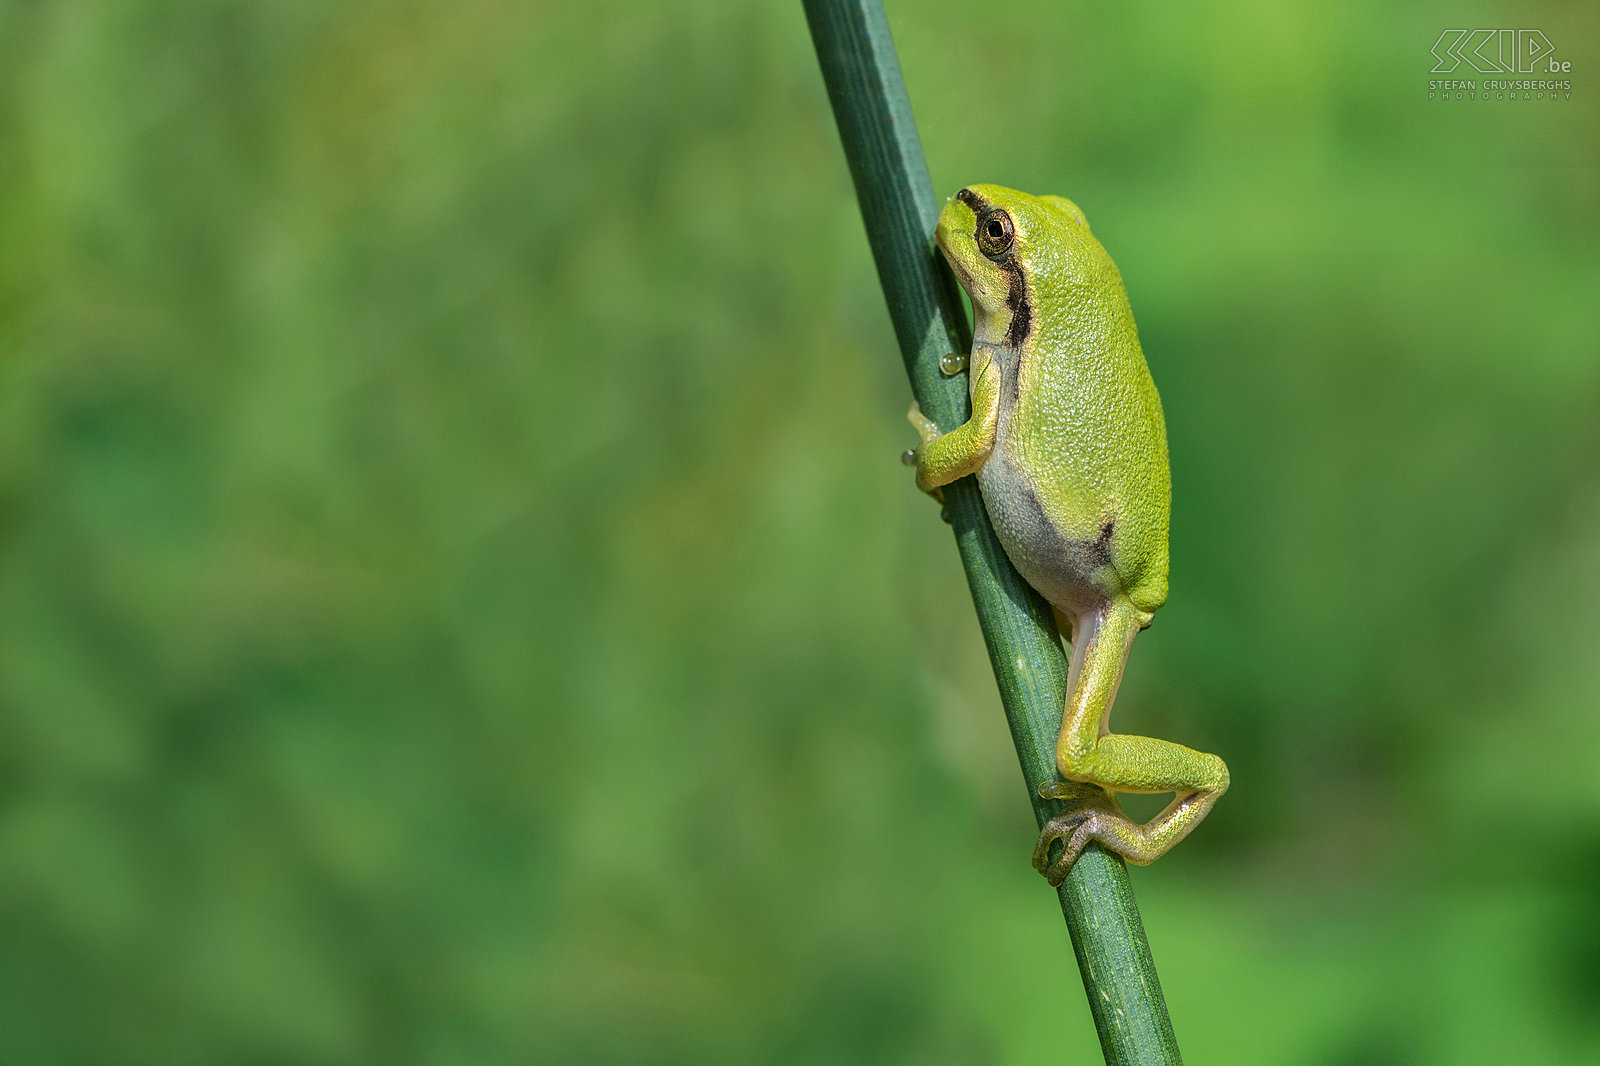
[927, 430]
[926, 427]
[1091, 814]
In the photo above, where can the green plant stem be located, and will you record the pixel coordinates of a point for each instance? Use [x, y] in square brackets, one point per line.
[898, 205]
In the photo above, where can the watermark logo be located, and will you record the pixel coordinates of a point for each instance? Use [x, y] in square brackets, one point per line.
[1497, 52]
[1466, 52]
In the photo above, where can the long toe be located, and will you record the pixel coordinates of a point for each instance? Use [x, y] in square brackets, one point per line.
[1060, 828]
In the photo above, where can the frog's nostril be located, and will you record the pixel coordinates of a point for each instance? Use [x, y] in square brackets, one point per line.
[977, 203]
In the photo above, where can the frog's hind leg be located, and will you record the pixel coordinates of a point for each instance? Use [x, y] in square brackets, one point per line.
[1088, 753]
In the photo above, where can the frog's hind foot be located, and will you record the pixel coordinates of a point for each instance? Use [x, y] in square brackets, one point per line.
[1101, 819]
[1069, 829]
[1092, 813]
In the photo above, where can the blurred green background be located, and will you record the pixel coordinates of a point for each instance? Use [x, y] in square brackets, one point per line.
[459, 600]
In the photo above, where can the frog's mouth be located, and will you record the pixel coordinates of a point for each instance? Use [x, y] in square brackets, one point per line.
[948, 232]
[957, 267]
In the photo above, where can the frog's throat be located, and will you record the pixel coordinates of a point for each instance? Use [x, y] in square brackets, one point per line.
[1017, 300]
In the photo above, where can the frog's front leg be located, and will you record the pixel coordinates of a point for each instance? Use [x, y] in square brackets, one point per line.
[1087, 753]
[941, 458]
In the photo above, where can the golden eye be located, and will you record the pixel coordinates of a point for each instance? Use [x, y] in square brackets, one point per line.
[995, 233]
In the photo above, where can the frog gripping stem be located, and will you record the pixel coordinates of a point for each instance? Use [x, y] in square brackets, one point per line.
[899, 209]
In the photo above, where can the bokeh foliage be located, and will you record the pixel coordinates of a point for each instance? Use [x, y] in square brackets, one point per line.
[459, 602]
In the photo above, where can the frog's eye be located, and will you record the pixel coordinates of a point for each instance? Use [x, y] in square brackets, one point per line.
[994, 233]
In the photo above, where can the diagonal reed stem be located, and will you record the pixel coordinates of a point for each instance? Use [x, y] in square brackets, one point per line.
[898, 205]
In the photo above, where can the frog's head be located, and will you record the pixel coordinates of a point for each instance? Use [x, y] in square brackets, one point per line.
[1001, 243]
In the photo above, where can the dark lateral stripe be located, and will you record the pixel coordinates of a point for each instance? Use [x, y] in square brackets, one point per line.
[1017, 300]
[1016, 283]
[1102, 545]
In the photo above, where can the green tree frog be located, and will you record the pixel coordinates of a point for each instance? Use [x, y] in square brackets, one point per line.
[1070, 450]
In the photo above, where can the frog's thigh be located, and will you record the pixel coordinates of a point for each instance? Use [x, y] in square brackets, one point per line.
[1086, 752]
